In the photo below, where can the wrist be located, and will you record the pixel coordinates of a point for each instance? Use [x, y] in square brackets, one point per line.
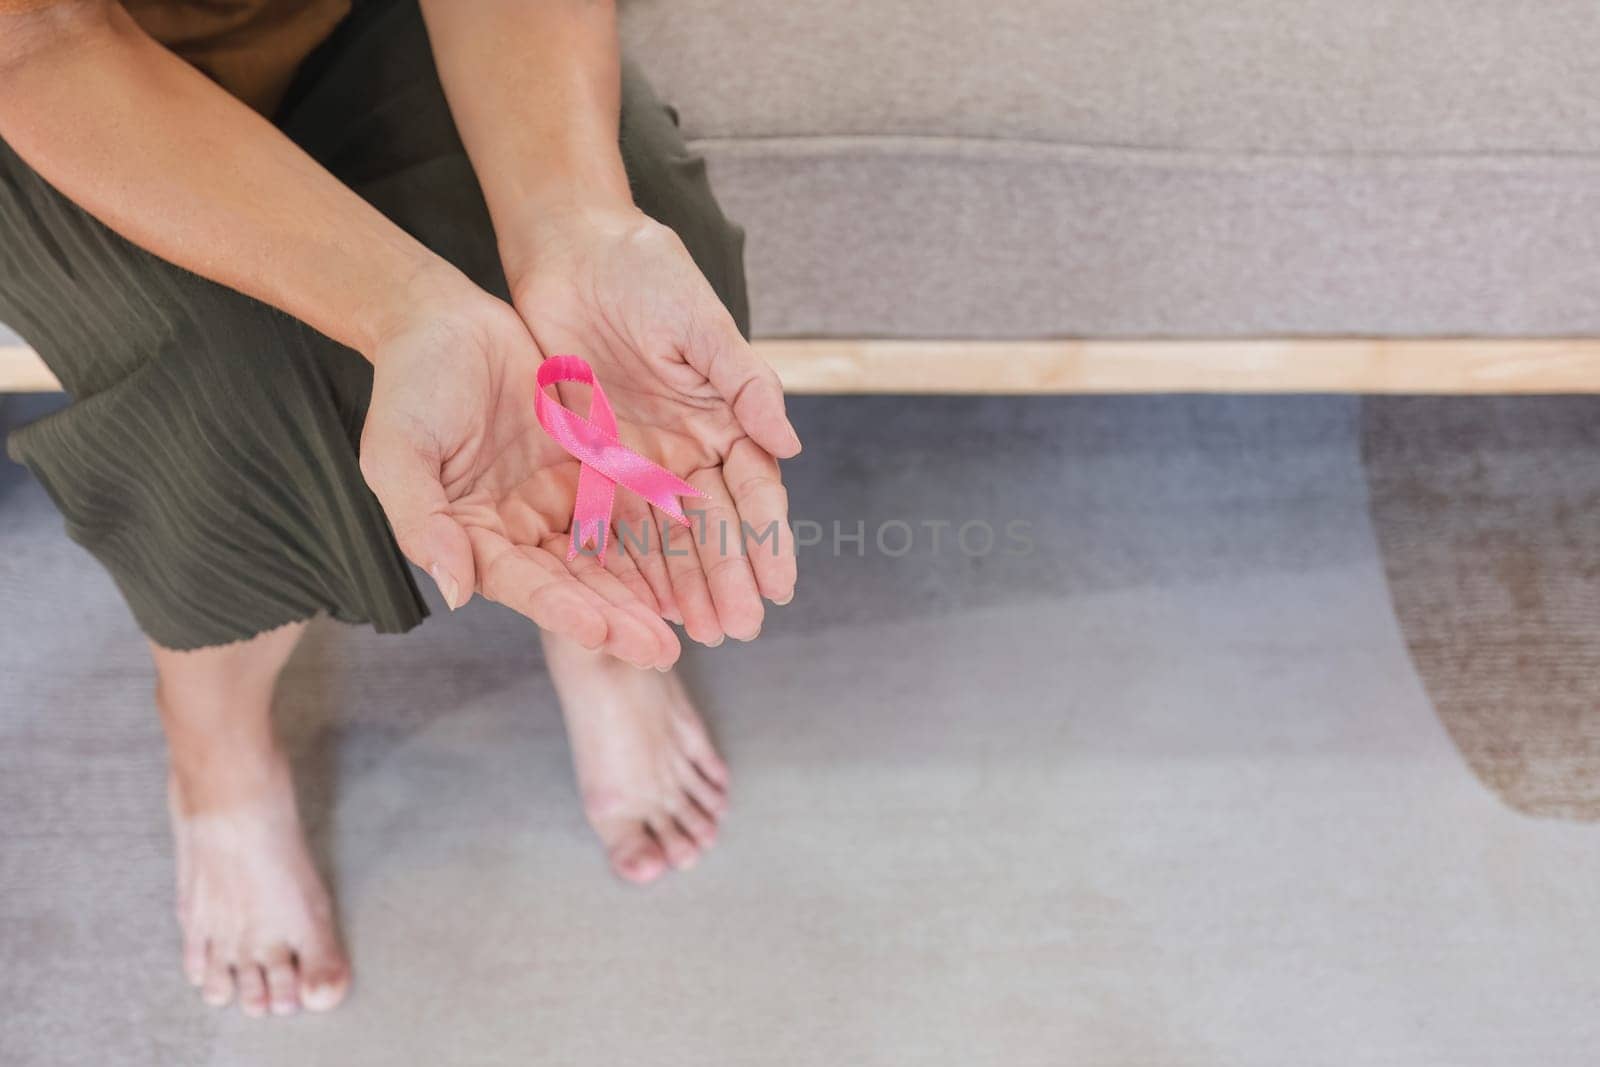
[548, 233]
[556, 200]
[424, 288]
[571, 166]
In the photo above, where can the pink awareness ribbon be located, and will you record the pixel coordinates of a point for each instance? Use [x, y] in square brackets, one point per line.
[604, 460]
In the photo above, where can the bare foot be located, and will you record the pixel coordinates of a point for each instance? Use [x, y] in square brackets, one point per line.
[653, 787]
[257, 922]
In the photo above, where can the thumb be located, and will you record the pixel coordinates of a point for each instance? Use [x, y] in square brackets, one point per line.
[750, 386]
[406, 483]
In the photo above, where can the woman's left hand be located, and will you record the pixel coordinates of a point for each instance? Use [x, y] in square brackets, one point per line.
[620, 290]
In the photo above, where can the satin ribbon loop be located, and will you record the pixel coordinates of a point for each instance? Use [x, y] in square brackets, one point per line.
[605, 462]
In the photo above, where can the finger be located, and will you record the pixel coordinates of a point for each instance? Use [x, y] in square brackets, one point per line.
[534, 584]
[689, 586]
[746, 382]
[593, 611]
[757, 487]
[728, 574]
[621, 564]
[637, 633]
[640, 537]
[406, 483]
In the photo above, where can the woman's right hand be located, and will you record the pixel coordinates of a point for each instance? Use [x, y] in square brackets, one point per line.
[477, 493]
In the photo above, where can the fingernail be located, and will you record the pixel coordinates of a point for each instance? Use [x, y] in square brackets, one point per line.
[718, 641]
[785, 600]
[448, 587]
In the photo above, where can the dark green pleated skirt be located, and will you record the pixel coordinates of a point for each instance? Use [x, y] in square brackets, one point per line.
[208, 460]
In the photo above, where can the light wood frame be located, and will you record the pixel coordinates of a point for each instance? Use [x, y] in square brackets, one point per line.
[1290, 365]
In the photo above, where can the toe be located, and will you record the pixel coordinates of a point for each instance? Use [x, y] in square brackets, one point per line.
[694, 742]
[217, 987]
[636, 857]
[696, 824]
[702, 790]
[679, 849]
[194, 960]
[709, 764]
[324, 975]
[252, 988]
[283, 982]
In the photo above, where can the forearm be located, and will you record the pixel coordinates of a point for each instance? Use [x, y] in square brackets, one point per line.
[173, 163]
[535, 88]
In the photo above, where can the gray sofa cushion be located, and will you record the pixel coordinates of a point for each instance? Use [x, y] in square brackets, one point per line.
[1160, 167]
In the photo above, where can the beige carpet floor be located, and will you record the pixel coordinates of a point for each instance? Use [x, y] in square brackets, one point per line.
[1168, 791]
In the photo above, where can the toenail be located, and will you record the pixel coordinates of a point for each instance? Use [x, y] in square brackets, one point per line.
[320, 997]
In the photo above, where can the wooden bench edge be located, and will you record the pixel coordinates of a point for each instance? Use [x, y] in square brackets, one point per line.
[1288, 365]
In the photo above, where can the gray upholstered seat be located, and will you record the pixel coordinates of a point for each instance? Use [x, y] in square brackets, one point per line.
[1157, 167]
